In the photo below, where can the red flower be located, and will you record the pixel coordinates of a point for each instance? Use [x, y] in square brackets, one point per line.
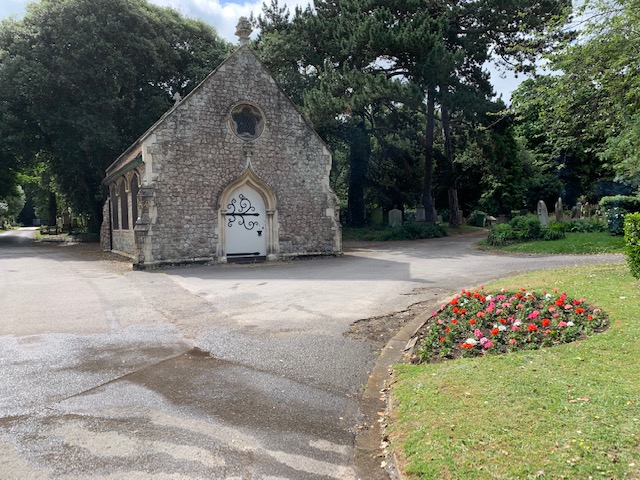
[442, 339]
[466, 345]
[447, 329]
[502, 321]
[454, 321]
[495, 331]
[463, 311]
[455, 309]
[532, 328]
[560, 302]
[472, 321]
[454, 301]
[579, 310]
[590, 317]
[545, 322]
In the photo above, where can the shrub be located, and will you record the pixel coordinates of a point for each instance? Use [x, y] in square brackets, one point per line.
[615, 220]
[527, 226]
[555, 231]
[415, 231]
[501, 234]
[626, 202]
[632, 242]
[585, 225]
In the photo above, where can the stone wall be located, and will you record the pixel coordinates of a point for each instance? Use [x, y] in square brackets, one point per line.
[193, 154]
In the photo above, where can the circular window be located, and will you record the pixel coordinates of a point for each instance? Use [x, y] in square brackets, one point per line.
[246, 121]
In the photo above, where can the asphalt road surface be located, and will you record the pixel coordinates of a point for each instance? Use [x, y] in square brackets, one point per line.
[204, 372]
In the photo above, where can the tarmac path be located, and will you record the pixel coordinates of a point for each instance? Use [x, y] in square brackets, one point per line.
[205, 372]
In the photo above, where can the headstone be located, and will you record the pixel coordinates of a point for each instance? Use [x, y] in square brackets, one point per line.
[66, 221]
[395, 217]
[377, 217]
[558, 210]
[421, 216]
[543, 214]
[578, 210]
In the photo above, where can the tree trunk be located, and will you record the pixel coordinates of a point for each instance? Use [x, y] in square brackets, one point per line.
[53, 208]
[450, 175]
[359, 155]
[427, 178]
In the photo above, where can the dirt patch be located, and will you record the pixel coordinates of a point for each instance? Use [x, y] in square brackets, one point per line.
[379, 330]
[91, 252]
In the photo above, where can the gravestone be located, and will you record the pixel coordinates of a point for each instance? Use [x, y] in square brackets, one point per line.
[421, 216]
[377, 217]
[543, 214]
[395, 217]
[558, 209]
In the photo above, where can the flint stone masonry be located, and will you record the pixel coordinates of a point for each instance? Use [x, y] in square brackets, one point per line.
[189, 159]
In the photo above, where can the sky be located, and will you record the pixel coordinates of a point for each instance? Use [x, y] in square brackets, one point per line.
[223, 16]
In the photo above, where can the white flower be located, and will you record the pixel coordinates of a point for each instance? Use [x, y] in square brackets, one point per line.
[517, 323]
[570, 324]
[489, 298]
[502, 328]
[547, 296]
[471, 341]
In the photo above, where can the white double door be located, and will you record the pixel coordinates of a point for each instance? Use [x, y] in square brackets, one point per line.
[245, 224]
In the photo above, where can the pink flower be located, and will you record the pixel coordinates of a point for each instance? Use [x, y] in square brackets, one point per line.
[477, 333]
[512, 341]
[484, 341]
[488, 344]
[555, 315]
[552, 309]
[514, 328]
[568, 307]
[562, 324]
[534, 314]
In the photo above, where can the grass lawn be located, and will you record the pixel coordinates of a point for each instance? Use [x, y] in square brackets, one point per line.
[574, 243]
[571, 411]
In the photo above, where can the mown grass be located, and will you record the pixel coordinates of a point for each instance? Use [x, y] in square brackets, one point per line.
[570, 411]
[572, 244]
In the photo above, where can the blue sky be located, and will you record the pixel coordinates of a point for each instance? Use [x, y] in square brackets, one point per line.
[223, 15]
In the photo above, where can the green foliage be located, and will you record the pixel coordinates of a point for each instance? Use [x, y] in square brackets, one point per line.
[524, 228]
[554, 231]
[501, 234]
[11, 205]
[582, 225]
[615, 220]
[626, 202]
[80, 80]
[415, 231]
[632, 242]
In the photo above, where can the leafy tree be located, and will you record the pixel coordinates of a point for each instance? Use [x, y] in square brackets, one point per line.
[80, 80]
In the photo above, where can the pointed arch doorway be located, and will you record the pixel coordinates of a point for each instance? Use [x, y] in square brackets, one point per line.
[247, 220]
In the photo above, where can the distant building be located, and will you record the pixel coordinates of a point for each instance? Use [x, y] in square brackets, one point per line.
[232, 171]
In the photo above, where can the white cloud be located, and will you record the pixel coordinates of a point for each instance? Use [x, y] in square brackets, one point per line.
[223, 16]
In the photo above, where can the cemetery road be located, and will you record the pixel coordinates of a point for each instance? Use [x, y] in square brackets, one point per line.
[204, 372]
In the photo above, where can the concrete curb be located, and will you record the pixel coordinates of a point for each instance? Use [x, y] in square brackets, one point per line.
[368, 450]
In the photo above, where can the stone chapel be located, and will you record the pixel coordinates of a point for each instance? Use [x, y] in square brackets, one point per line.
[232, 172]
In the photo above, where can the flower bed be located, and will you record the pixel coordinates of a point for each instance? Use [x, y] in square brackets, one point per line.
[474, 323]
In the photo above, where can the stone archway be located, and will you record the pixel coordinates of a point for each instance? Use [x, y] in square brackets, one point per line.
[248, 227]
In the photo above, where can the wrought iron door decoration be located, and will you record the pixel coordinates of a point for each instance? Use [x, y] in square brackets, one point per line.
[239, 210]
